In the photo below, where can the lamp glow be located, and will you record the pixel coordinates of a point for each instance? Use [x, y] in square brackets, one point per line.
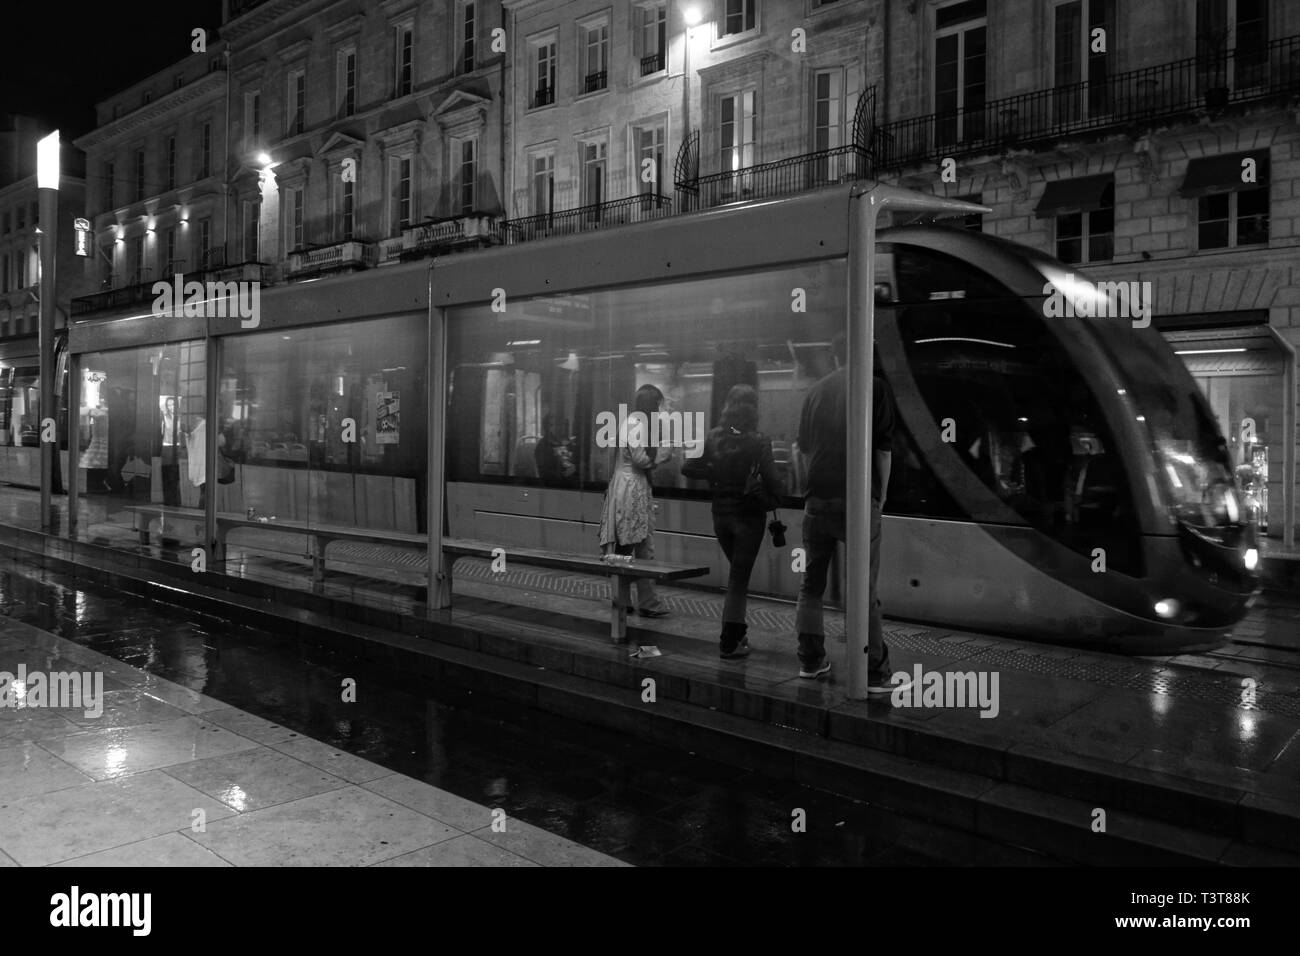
[264, 159]
[47, 162]
[691, 15]
[1251, 559]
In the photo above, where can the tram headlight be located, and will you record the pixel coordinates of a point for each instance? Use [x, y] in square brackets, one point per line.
[1167, 608]
[1251, 559]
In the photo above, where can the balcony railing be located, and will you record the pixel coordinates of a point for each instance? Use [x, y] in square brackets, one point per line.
[544, 96]
[334, 257]
[652, 63]
[1187, 87]
[439, 236]
[140, 293]
[825, 167]
[602, 215]
[594, 82]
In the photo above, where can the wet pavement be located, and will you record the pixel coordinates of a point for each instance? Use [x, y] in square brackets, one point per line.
[257, 724]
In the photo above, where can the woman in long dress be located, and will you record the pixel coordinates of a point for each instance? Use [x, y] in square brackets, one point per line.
[627, 520]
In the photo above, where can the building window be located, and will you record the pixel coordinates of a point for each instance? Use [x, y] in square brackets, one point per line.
[139, 174]
[1228, 220]
[171, 162]
[543, 73]
[648, 153]
[205, 152]
[1089, 236]
[205, 244]
[138, 271]
[347, 209]
[347, 82]
[739, 16]
[297, 234]
[594, 68]
[404, 58]
[171, 265]
[594, 157]
[178, 81]
[465, 153]
[543, 183]
[650, 42]
[1079, 74]
[110, 185]
[253, 119]
[147, 98]
[403, 212]
[468, 27]
[960, 40]
[4, 274]
[252, 231]
[736, 131]
[20, 216]
[1240, 26]
[4, 223]
[297, 102]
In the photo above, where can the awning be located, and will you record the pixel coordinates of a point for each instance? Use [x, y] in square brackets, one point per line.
[1076, 195]
[1217, 174]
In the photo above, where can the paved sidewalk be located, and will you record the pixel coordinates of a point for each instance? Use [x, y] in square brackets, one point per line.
[166, 776]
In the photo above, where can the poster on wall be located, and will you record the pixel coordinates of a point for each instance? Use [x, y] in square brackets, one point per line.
[388, 417]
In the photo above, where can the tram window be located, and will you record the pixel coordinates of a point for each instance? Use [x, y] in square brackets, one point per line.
[1024, 422]
[527, 387]
[19, 400]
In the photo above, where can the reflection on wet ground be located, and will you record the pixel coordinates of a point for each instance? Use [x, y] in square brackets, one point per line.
[641, 803]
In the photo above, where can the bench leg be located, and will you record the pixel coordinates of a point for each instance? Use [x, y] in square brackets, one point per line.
[620, 588]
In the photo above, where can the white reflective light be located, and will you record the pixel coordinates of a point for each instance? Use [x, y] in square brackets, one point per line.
[1166, 608]
[691, 15]
[1251, 559]
[47, 162]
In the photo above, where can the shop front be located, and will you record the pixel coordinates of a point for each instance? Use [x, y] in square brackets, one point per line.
[1247, 373]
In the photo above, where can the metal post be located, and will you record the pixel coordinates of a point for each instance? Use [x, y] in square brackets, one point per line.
[211, 433]
[861, 348]
[72, 474]
[438, 594]
[48, 250]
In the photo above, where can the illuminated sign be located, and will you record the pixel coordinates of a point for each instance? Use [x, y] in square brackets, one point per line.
[82, 227]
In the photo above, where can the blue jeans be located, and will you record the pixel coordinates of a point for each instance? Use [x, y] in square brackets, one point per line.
[823, 527]
[741, 536]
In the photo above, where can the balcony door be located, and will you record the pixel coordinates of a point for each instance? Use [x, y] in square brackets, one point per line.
[1231, 44]
[1081, 89]
[960, 72]
[594, 157]
[736, 137]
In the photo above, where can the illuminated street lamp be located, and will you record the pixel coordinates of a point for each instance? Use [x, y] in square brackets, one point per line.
[47, 184]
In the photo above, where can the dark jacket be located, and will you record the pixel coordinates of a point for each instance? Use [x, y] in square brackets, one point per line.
[726, 462]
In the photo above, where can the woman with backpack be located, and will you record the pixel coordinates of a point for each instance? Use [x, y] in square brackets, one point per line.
[737, 463]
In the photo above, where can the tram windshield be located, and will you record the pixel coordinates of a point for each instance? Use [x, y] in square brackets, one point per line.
[1191, 455]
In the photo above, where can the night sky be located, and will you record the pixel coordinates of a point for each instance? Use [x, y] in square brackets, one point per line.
[60, 57]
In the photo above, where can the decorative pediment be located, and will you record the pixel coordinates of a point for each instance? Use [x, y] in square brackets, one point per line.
[292, 52]
[250, 72]
[462, 113]
[403, 135]
[339, 145]
[293, 172]
[345, 28]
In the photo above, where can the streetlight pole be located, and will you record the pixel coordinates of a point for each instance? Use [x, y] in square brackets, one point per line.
[47, 183]
[867, 207]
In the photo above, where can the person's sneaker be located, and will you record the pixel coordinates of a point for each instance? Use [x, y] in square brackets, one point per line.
[815, 670]
[739, 651]
[654, 612]
[884, 684]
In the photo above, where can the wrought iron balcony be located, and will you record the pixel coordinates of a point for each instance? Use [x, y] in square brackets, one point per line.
[595, 81]
[1179, 89]
[141, 292]
[440, 236]
[544, 96]
[652, 63]
[825, 167]
[602, 215]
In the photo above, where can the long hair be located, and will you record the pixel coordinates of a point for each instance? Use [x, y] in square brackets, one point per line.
[648, 399]
[740, 411]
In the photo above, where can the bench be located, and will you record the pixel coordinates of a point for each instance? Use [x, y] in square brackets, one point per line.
[620, 575]
[319, 536]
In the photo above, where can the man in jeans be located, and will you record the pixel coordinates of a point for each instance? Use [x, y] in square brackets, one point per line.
[823, 440]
